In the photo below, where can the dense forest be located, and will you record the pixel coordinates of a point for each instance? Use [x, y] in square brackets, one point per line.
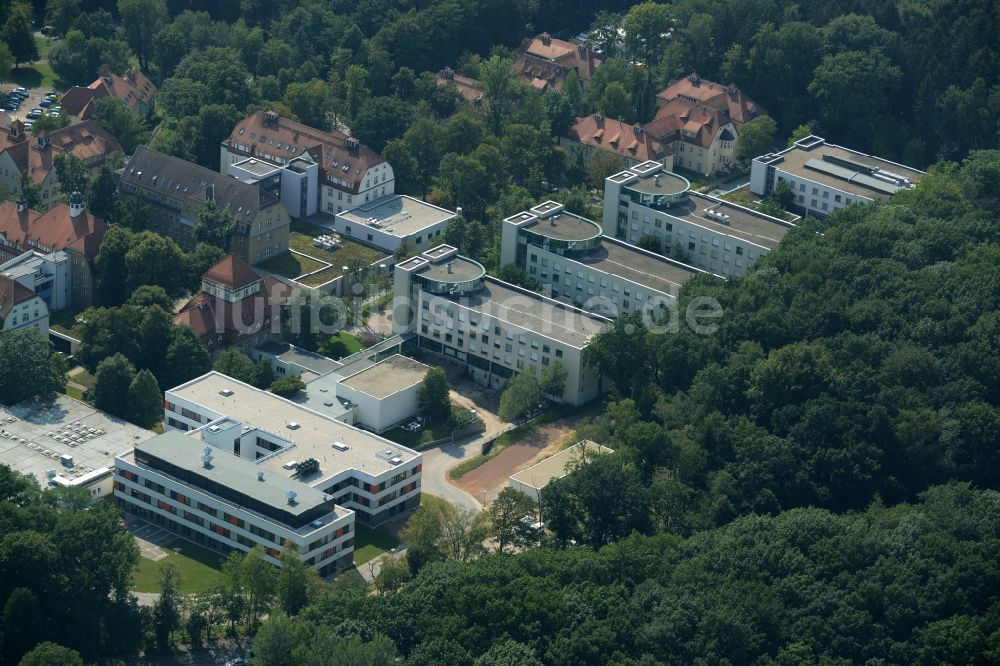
[911, 584]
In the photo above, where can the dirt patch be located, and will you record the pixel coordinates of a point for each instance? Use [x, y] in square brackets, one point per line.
[492, 475]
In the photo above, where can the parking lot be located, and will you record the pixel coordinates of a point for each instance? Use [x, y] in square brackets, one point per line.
[32, 105]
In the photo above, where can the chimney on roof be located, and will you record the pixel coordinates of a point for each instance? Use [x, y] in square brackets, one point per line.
[450, 266]
[270, 117]
[693, 78]
[22, 204]
[210, 192]
[75, 204]
[546, 38]
[43, 140]
[352, 143]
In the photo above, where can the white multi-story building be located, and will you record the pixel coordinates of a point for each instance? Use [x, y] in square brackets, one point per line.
[825, 177]
[226, 502]
[394, 220]
[260, 438]
[714, 235]
[492, 328]
[49, 275]
[575, 262]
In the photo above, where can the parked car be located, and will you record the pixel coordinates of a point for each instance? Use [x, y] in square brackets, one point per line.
[35, 113]
[46, 102]
[53, 114]
[28, 124]
[12, 106]
[52, 96]
[21, 90]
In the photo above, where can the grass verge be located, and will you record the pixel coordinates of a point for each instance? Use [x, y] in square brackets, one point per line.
[370, 542]
[200, 568]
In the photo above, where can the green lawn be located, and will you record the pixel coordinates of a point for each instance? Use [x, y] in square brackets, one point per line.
[200, 568]
[290, 265]
[351, 342]
[38, 75]
[742, 196]
[64, 321]
[433, 502]
[84, 379]
[371, 542]
[75, 393]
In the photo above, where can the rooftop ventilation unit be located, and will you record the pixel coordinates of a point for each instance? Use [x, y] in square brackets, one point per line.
[291, 464]
[226, 392]
[260, 476]
[396, 460]
[213, 428]
[291, 495]
[293, 425]
[340, 446]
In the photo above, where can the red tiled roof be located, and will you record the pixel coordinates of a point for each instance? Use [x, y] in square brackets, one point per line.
[132, 87]
[51, 231]
[79, 101]
[231, 272]
[271, 136]
[629, 141]
[35, 155]
[678, 116]
[469, 88]
[726, 98]
[217, 321]
[544, 62]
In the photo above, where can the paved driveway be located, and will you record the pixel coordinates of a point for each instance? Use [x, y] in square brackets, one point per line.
[149, 537]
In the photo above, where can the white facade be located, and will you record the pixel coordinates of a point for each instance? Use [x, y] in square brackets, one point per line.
[31, 313]
[576, 263]
[391, 221]
[146, 485]
[825, 178]
[48, 275]
[492, 328]
[380, 414]
[709, 233]
[360, 477]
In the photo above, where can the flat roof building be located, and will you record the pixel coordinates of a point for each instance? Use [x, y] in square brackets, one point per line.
[709, 233]
[252, 448]
[190, 485]
[825, 177]
[63, 442]
[390, 221]
[532, 480]
[575, 262]
[492, 328]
